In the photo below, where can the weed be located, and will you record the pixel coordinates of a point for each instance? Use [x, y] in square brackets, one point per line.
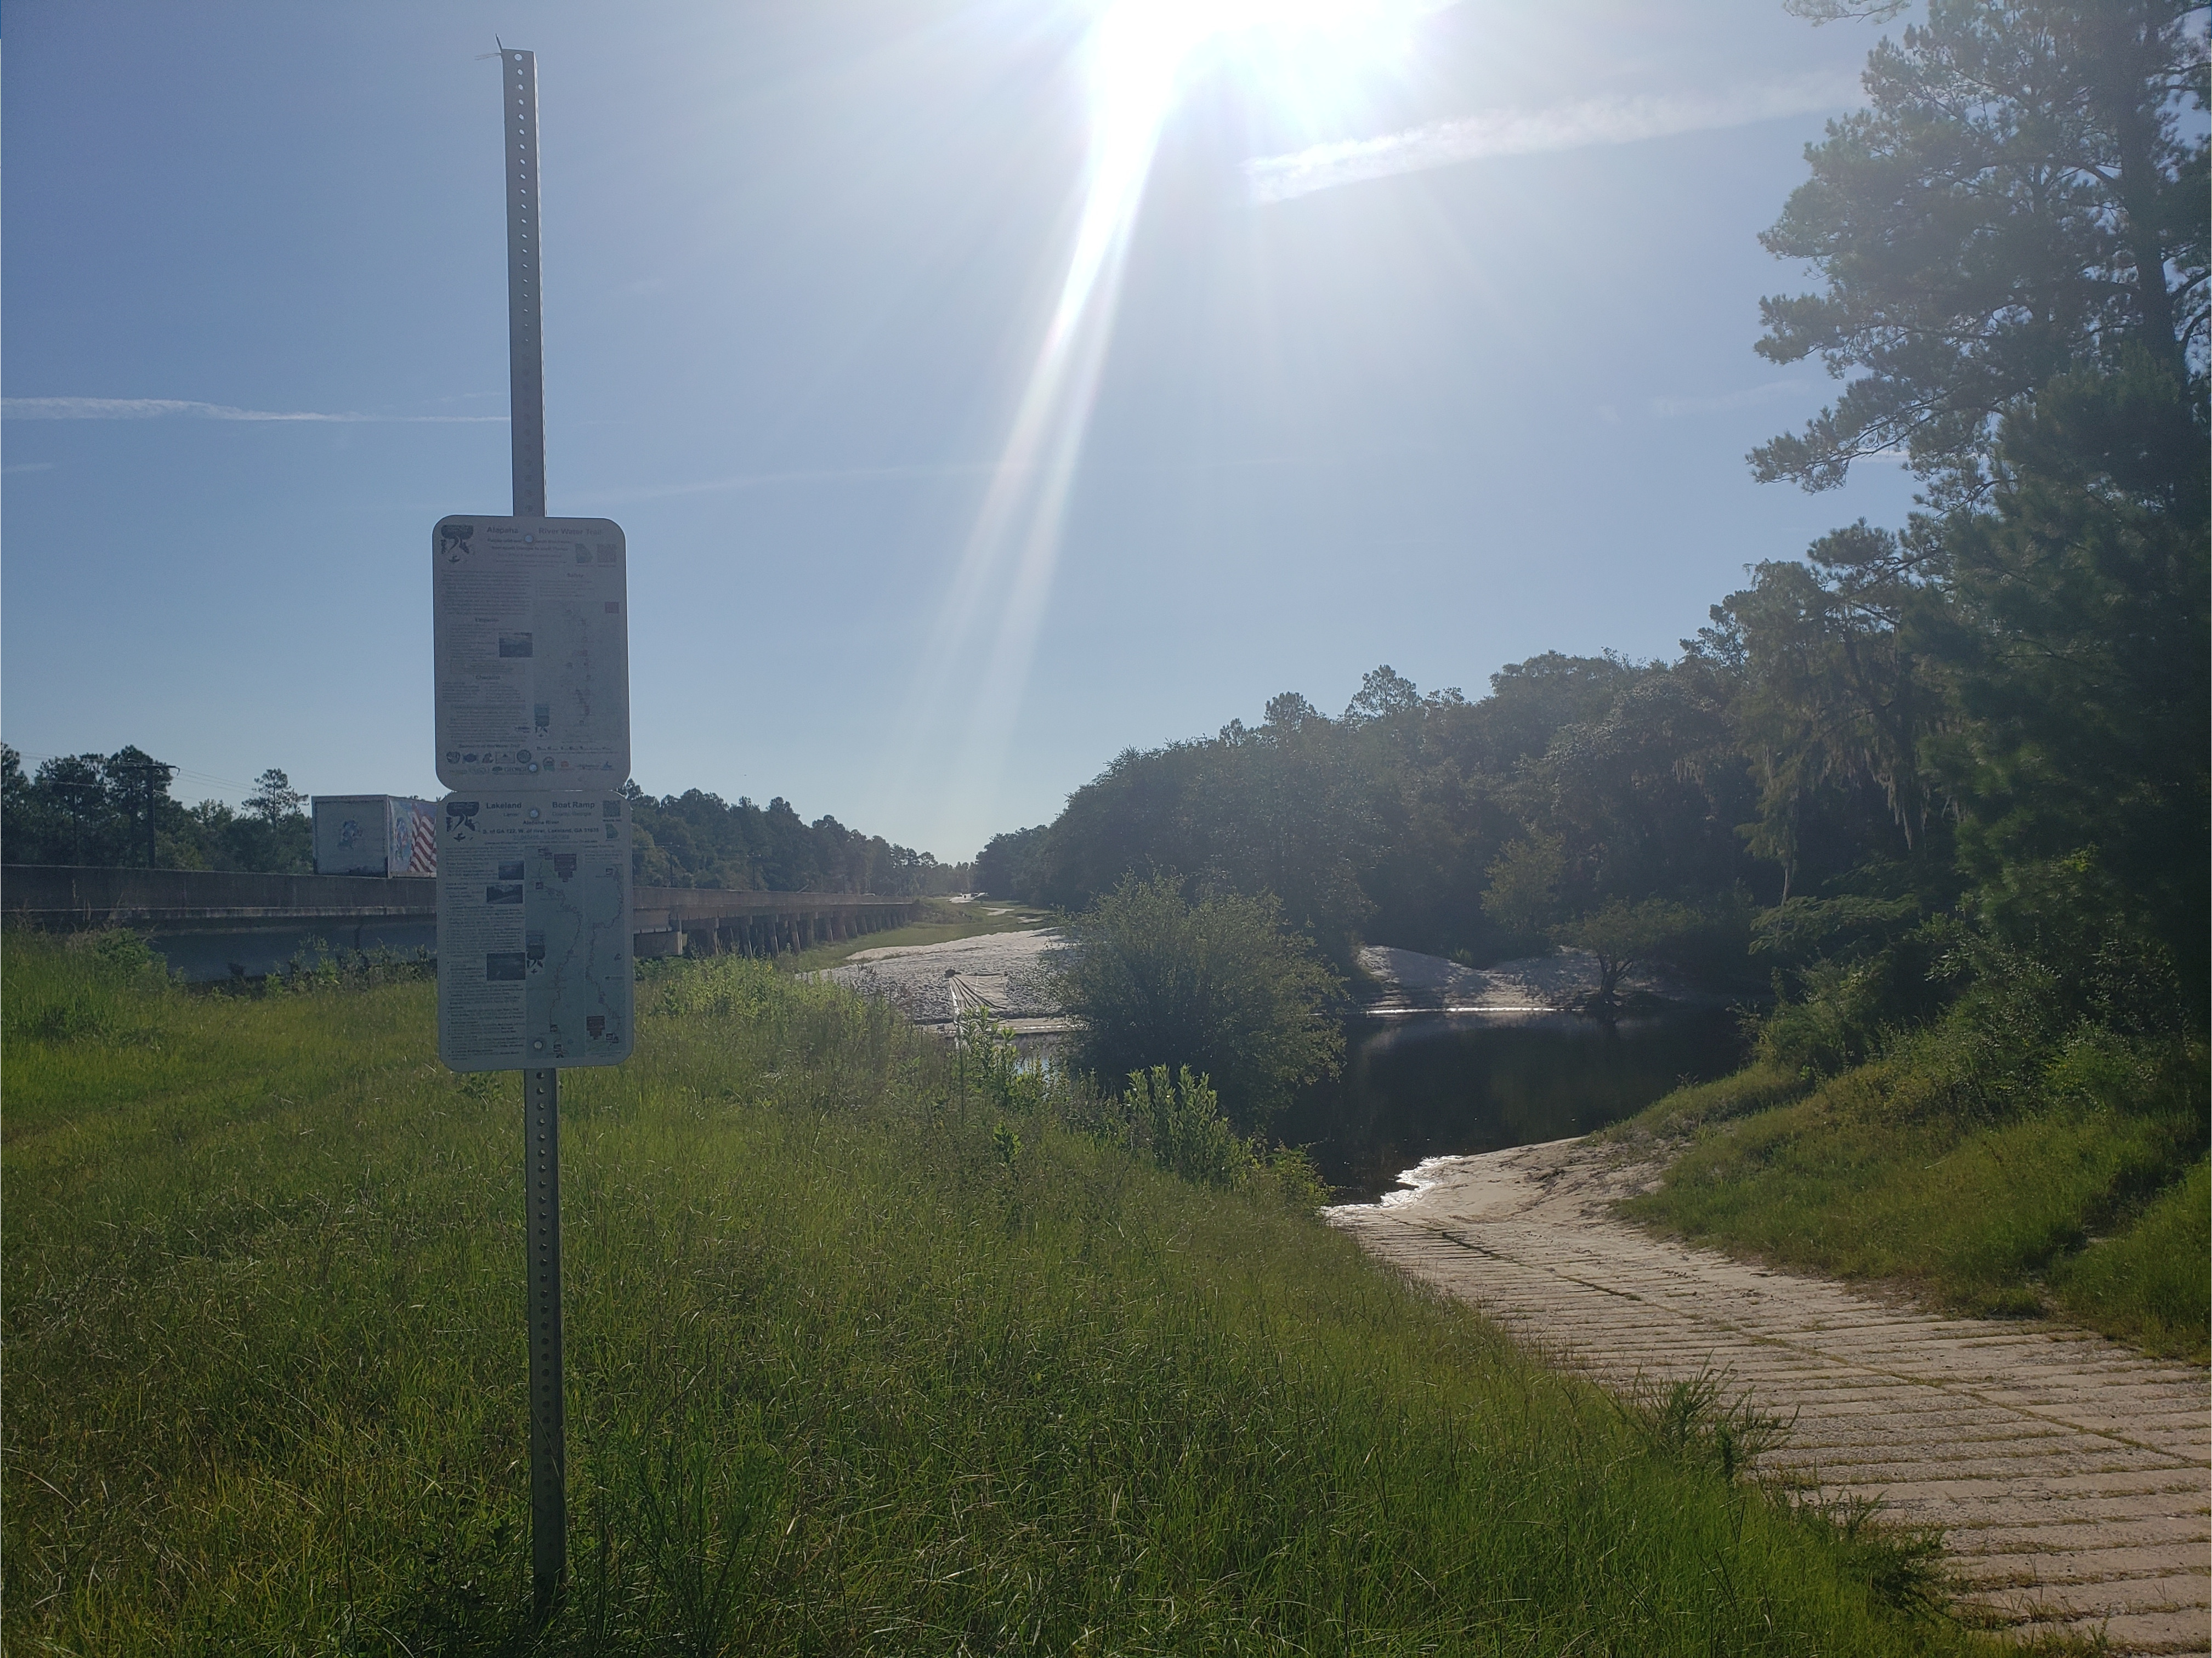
[1694, 1421]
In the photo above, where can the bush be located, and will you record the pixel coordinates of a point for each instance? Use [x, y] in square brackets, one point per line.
[1178, 1120]
[1222, 987]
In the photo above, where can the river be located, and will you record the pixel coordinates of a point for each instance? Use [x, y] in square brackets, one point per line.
[1428, 1085]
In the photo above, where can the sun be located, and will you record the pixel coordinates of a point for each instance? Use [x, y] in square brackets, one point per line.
[1303, 59]
[1298, 52]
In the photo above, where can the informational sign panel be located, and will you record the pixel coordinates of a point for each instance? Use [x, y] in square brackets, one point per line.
[532, 652]
[534, 930]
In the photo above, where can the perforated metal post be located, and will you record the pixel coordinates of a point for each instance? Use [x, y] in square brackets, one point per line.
[549, 1418]
[541, 1090]
[526, 339]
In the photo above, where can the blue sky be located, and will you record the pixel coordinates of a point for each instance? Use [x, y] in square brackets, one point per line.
[1479, 385]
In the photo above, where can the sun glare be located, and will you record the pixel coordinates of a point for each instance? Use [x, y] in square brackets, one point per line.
[1300, 57]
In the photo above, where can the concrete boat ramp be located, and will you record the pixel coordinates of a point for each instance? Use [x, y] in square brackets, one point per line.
[2069, 1475]
[933, 985]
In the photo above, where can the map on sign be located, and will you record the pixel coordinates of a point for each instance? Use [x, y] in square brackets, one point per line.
[532, 648]
[534, 930]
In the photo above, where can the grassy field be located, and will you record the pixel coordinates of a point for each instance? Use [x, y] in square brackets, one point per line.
[857, 1363]
[2088, 1202]
[941, 922]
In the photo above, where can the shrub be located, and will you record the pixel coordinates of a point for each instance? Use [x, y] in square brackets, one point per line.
[1222, 987]
[1178, 1120]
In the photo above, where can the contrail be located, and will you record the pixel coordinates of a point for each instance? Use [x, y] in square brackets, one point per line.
[180, 408]
[1525, 132]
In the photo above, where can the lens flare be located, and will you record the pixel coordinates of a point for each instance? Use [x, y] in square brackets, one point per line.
[1139, 55]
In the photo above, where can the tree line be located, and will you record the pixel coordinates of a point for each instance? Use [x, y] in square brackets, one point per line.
[98, 809]
[1987, 727]
[95, 809]
[699, 839]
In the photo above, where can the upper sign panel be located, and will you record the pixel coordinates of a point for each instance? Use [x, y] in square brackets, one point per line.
[533, 638]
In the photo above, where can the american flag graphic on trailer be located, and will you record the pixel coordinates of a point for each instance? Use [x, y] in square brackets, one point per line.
[423, 842]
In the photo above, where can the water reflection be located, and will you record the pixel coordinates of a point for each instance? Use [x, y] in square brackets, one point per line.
[1432, 1085]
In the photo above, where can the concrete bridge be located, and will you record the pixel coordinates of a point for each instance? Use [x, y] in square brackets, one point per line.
[211, 923]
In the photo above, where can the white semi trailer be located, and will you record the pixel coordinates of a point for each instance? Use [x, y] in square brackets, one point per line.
[375, 835]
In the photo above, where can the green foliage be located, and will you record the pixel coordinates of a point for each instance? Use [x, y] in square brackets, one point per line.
[2024, 192]
[1390, 823]
[2147, 1280]
[91, 809]
[1835, 693]
[1177, 1119]
[317, 968]
[1008, 867]
[1222, 987]
[696, 838]
[1697, 1421]
[2080, 623]
[706, 987]
[91, 990]
[1524, 883]
[2022, 689]
[1976, 1156]
[265, 1388]
[1800, 930]
[1758, 1086]
[1621, 935]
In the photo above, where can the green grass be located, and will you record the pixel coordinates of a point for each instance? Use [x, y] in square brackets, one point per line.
[941, 923]
[855, 1365]
[2088, 1202]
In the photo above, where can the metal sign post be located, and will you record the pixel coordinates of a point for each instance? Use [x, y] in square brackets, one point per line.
[525, 338]
[534, 925]
[549, 1413]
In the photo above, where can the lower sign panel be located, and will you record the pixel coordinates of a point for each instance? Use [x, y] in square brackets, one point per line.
[534, 930]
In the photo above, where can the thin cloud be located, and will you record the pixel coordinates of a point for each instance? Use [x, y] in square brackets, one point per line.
[1527, 132]
[184, 409]
[1675, 408]
[927, 470]
[773, 480]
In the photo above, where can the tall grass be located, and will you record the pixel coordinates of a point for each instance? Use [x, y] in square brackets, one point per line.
[2076, 1188]
[848, 1373]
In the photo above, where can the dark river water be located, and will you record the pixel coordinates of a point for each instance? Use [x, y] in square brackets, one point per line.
[1431, 1085]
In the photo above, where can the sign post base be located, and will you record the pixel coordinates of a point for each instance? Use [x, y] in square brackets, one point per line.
[548, 1422]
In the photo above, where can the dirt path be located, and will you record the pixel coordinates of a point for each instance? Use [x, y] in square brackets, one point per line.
[2069, 1475]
